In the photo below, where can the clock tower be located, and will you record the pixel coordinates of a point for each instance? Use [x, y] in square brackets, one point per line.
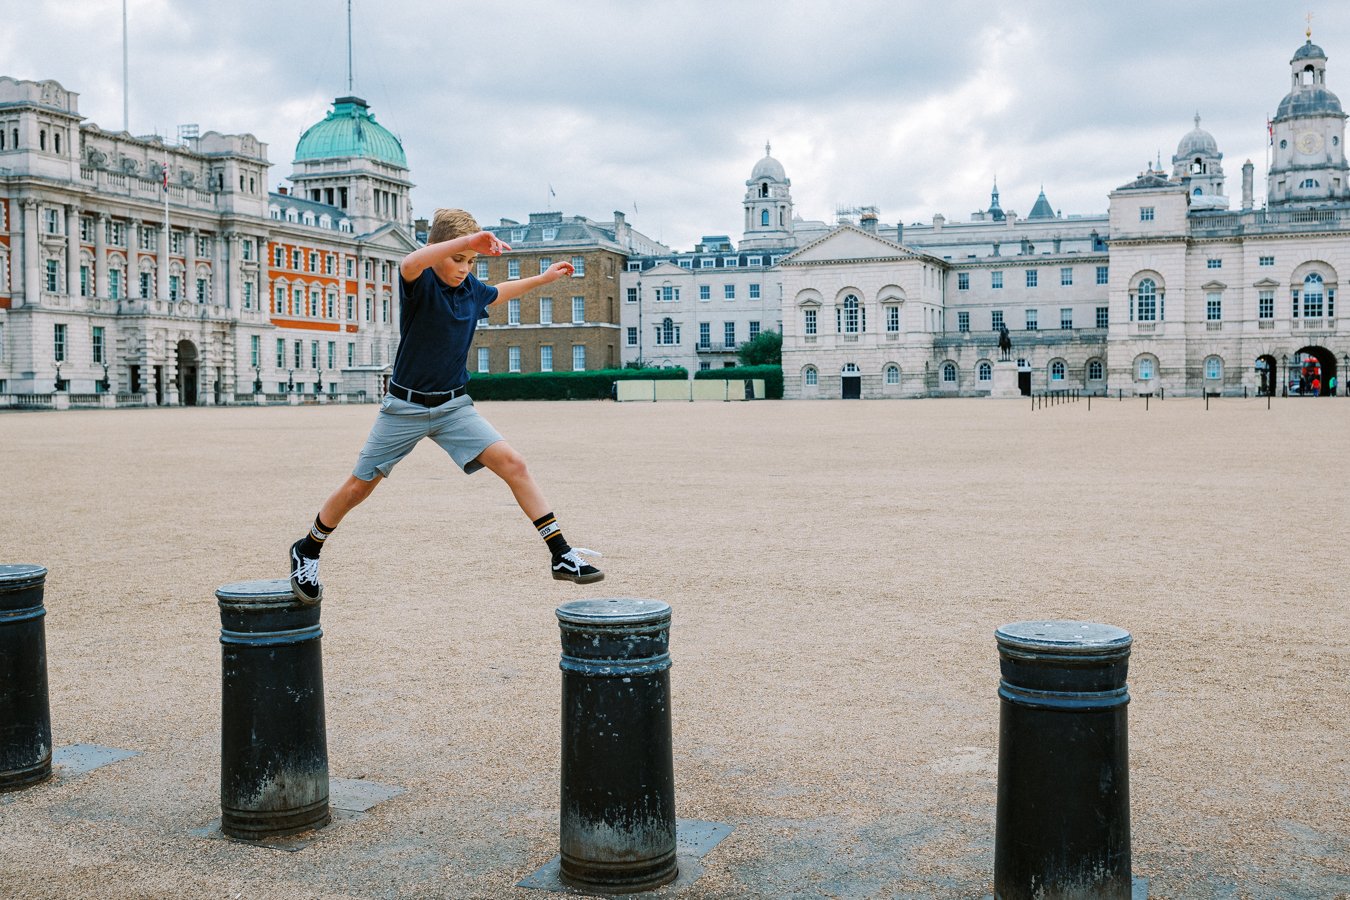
[1308, 165]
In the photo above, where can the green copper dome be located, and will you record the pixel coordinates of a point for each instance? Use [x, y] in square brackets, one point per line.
[350, 130]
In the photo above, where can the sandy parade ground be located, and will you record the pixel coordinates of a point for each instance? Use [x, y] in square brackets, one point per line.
[836, 572]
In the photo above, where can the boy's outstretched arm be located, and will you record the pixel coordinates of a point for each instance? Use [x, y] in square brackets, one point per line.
[509, 290]
[484, 243]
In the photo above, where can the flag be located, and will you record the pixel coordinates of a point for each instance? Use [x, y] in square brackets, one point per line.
[1270, 131]
[166, 177]
[551, 192]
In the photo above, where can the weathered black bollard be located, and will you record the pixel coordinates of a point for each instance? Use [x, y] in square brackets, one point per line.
[617, 823]
[273, 745]
[25, 714]
[1063, 820]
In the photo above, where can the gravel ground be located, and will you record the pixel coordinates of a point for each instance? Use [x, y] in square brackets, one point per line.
[836, 571]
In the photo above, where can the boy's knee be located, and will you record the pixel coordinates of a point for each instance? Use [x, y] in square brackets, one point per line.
[510, 465]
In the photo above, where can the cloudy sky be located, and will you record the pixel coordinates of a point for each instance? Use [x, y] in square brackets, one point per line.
[661, 109]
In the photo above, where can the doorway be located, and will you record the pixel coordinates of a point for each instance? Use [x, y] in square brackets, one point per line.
[187, 373]
[1312, 372]
[851, 380]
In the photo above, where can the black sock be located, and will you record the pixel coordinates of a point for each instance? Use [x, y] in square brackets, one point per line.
[313, 542]
[551, 532]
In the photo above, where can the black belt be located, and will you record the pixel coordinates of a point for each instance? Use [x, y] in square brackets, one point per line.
[422, 399]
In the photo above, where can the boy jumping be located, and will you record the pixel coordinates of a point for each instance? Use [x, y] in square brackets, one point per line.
[440, 304]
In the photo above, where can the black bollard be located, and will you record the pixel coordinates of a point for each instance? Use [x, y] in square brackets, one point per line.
[1063, 819]
[617, 822]
[25, 714]
[273, 746]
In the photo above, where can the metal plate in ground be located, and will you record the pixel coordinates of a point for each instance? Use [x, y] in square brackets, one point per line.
[348, 801]
[693, 840]
[77, 759]
[357, 794]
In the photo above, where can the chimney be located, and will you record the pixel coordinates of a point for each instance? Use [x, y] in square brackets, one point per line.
[868, 222]
[1247, 171]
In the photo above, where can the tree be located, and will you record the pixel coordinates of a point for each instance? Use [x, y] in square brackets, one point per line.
[765, 350]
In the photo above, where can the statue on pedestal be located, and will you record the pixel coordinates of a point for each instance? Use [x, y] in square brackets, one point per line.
[1004, 343]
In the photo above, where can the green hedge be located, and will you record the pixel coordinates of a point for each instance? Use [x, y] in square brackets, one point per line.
[772, 375]
[594, 385]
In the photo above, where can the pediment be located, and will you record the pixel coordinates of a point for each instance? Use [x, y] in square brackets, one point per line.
[390, 237]
[666, 269]
[848, 243]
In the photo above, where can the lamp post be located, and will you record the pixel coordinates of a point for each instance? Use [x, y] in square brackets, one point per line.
[319, 387]
[1284, 387]
[107, 386]
[257, 379]
[290, 381]
[639, 299]
[1344, 370]
[57, 385]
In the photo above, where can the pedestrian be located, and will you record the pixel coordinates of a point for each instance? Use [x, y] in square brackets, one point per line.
[440, 303]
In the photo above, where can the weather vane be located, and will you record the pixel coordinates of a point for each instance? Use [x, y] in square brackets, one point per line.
[1309, 18]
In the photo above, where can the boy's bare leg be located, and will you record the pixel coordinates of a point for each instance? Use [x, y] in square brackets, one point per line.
[503, 460]
[346, 498]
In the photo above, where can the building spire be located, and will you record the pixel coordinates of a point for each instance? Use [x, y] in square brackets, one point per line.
[349, 47]
[1308, 31]
[1197, 119]
[766, 149]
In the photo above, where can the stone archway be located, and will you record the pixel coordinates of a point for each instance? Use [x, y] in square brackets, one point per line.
[187, 379]
[1312, 371]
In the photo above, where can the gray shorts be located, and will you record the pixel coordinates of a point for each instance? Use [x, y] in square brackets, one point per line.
[455, 425]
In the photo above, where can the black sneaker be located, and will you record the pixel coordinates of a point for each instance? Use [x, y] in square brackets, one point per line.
[305, 576]
[572, 566]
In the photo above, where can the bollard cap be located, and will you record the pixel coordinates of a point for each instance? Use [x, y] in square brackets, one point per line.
[1063, 637]
[617, 611]
[20, 575]
[263, 591]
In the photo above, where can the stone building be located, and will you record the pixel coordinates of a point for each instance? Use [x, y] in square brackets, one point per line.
[168, 273]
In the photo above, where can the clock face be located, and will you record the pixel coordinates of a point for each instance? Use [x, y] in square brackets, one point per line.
[1309, 142]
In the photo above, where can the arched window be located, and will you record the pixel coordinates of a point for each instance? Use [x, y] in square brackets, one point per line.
[1094, 368]
[986, 371]
[1213, 368]
[892, 374]
[1309, 183]
[851, 314]
[764, 217]
[811, 376]
[949, 373]
[1146, 301]
[667, 331]
[1145, 369]
[1057, 370]
[1313, 294]
[764, 192]
[851, 369]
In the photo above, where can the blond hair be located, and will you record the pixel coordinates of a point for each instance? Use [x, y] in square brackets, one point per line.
[448, 224]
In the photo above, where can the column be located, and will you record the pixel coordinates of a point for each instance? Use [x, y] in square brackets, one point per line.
[100, 273]
[73, 251]
[162, 264]
[32, 268]
[218, 278]
[190, 266]
[235, 297]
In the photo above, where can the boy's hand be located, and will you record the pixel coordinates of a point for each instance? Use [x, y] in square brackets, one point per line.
[558, 270]
[485, 243]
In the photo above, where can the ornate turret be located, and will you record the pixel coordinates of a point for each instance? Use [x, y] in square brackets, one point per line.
[768, 206]
[1308, 164]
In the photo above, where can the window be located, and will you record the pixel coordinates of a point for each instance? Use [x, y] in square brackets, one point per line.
[1213, 264]
[851, 317]
[332, 354]
[1309, 183]
[545, 310]
[1066, 318]
[963, 281]
[313, 354]
[53, 276]
[578, 267]
[1032, 277]
[729, 292]
[254, 350]
[1146, 304]
[667, 294]
[1145, 214]
[1032, 316]
[578, 357]
[513, 311]
[176, 242]
[278, 257]
[996, 280]
[351, 267]
[730, 262]
[892, 319]
[985, 370]
[482, 267]
[754, 329]
[59, 343]
[281, 353]
[632, 336]
[1312, 296]
[546, 358]
[175, 287]
[483, 359]
[963, 322]
[729, 334]
[1267, 261]
[1145, 369]
[1094, 370]
[96, 343]
[632, 295]
[351, 353]
[996, 319]
[810, 321]
[811, 376]
[578, 310]
[1213, 368]
[295, 258]
[544, 263]
[892, 374]
[1057, 370]
[1065, 277]
[704, 335]
[201, 293]
[1213, 306]
[1103, 316]
[1265, 305]
[147, 286]
[1103, 273]
[949, 373]
[550, 234]
[513, 268]
[513, 359]
[705, 292]
[115, 284]
[754, 260]
[52, 221]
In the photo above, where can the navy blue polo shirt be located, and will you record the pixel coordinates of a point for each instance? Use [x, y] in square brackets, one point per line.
[436, 326]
